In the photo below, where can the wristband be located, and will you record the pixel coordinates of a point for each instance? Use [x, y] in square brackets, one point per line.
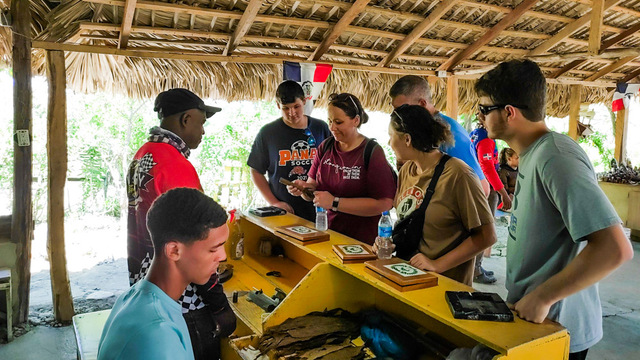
[334, 206]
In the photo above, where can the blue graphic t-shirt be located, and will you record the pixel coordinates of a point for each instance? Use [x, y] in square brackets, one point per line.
[282, 151]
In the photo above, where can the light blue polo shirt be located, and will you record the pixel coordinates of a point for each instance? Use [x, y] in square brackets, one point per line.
[145, 323]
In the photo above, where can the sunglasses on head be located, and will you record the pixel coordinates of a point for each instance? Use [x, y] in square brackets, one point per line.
[486, 109]
[310, 140]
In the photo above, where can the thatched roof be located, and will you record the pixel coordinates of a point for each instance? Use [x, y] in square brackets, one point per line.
[234, 49]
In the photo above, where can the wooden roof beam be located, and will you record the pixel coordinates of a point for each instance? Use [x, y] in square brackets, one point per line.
[595, 30]
[127, 21]
[632, 75]
[155, 30]
[191, 56]
[89, 26]
[249, 15]
[611, 68]
[506, 21]
[337, 29]
[605, 45]
[619, 9]
[418, 31]
[568, 30]
[604, 56]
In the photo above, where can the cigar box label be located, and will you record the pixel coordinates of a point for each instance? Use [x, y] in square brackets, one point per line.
[353, 249]
[302, 230]
[405, 270]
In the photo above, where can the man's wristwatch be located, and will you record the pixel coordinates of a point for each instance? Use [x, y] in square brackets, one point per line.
[334, 206]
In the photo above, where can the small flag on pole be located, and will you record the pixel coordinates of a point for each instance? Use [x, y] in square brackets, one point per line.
[622, 95]
[310, 76]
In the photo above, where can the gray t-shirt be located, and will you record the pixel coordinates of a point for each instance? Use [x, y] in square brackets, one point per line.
[557, 204]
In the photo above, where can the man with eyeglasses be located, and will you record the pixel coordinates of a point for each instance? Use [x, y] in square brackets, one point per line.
[414, 90]
[162, 164]
[285, 148]
[564, 235]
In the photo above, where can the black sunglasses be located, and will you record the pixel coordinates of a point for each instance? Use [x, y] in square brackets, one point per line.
[310, 140]
[486, 109]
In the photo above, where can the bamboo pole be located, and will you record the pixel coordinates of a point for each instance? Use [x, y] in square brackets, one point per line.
[22, 220]
[57, 158]
[452, 97]
[622, 119]
[574, 111]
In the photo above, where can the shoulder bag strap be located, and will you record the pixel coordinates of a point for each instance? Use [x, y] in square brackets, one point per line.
[434, 181]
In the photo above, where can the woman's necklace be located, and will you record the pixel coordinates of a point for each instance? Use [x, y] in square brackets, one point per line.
[343, 167]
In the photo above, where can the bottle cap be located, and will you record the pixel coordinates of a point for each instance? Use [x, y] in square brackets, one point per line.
[385, 212]
[319, 209]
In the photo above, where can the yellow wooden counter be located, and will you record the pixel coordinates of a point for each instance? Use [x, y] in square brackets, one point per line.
[626, 200]
[315, 279]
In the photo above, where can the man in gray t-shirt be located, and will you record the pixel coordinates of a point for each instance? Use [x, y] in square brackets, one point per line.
[564, 235]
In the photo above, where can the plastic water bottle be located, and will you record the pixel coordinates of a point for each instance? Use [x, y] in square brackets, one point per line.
[322, 223]
[236, 236]
[383, 241]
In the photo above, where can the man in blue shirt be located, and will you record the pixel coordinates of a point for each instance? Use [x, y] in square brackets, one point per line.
[414, 90]
[188, 230]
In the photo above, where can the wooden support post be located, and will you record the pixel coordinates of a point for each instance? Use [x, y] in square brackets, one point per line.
[574, 111]
[57, 155]
[595, 30]
[452, 97]
[22, 220]
[622, 118]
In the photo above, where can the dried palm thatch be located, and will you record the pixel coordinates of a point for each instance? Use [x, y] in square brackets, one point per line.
[167, 36]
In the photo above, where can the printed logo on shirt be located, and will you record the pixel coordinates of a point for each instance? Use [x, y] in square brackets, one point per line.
[299, 171]
[138, 178]
[487, 156]
[410, 199]
[348, 172]
[513, 224]
[299, 154]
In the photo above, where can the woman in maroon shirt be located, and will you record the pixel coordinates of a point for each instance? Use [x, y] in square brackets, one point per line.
[354, 191]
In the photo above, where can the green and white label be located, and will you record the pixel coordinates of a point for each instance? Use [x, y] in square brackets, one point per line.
[301, 230]
[405, 270]
[352, 249]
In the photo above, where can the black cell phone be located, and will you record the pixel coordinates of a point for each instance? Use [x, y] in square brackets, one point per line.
[268, 211]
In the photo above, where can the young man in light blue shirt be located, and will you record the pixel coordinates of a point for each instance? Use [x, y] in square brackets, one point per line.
[188, 230]
[564, 235]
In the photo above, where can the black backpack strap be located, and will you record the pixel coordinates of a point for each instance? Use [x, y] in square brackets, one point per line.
[368, 150]
[328, 145]
[434, 181]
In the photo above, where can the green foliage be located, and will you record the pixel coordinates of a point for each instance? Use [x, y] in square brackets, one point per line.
[598, 140]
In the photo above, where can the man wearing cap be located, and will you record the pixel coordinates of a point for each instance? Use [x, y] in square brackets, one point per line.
[285, 148]
[161, 165]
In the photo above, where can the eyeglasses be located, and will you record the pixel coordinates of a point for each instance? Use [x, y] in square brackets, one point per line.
[486, 109]
[401, 122]
[310, 140]
[342, 98]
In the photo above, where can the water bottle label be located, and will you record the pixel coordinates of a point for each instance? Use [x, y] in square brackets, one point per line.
[385, 231]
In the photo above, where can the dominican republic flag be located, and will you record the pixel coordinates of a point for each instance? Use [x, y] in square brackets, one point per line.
[622, 95]
[310, 76]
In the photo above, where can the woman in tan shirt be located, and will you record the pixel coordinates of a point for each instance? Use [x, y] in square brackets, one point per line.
[458, 223]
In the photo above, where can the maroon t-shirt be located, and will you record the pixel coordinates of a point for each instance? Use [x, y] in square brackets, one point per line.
[343, 174]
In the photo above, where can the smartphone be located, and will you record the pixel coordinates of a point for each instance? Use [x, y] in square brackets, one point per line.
[268, 211]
